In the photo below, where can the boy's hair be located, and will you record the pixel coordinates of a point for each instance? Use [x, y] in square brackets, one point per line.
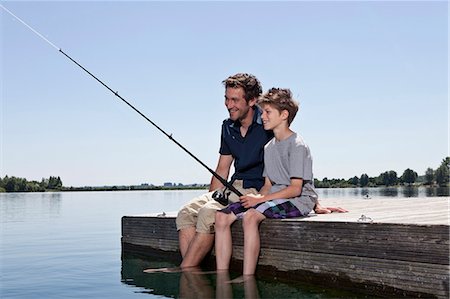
[280, 99]
[250, 84]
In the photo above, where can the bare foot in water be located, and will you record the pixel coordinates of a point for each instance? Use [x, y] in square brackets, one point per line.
[163, 270]
[242, 279]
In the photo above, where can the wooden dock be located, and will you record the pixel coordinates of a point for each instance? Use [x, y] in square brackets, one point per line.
[383, 246]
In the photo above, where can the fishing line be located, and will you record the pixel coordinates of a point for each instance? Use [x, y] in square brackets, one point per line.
[222, 199]
[29, 27]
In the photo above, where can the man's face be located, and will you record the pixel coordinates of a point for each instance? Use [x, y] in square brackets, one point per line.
[236, 104]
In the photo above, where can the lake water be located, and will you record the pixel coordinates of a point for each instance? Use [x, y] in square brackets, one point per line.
[67, 245]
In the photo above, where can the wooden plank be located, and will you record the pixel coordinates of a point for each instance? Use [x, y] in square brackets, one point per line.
[420, 210]
[420, 245]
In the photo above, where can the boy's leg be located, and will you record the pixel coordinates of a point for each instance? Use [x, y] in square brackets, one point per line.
[223, 239]
[250, 223]
[223, 286]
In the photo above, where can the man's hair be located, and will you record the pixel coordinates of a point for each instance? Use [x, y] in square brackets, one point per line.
[251, 85]
[280, 99]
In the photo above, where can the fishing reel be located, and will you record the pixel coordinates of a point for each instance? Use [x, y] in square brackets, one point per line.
[221, 196]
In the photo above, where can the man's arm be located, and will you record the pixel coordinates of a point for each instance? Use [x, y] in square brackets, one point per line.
[222, 169]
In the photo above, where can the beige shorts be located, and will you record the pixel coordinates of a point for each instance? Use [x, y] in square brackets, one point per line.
[200, 212]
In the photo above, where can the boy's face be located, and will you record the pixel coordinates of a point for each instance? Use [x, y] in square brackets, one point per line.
[236, 104]
[271, 117]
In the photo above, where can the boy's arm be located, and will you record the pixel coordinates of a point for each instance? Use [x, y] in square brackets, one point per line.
[293, 190]
[266, 188]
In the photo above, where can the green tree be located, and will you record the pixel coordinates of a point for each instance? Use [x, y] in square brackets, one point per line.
[354, 181]
[325, 183]
[9, 184]
[409, 176]
[443, 172]
[21, 184]
[364, 180]
[429, 176]
[54, 183]
[14, 184]
[33, 186]
[44, 183]
[393, 179]
[387, 178]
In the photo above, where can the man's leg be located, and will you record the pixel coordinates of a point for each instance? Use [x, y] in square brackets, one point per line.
[199, 247]
[203, 240]
[185, 237]
[187, 221]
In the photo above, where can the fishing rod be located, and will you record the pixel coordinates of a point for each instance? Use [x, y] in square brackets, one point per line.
[218, 196]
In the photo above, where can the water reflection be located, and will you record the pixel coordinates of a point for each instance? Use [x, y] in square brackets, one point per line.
[437, 191]
[225, 288]
[19, 207]
[199, 283]
[410, 191]
[366, 192]
[194, 284]
[389, 191]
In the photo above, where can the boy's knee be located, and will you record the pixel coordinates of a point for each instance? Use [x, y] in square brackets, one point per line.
[252, 217]
[220, 218]
[223, 220]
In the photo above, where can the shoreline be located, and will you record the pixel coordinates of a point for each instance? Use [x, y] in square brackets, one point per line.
[205, 187]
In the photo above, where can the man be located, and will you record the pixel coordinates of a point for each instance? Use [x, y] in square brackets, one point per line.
[242, 142]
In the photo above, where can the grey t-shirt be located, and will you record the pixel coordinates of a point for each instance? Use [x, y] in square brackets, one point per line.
[291, 158]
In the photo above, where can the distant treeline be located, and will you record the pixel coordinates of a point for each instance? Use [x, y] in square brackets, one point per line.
[15, 184]
[437, 177]
[136, 188]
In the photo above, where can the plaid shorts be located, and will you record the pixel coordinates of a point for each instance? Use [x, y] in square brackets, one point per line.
[275, 209]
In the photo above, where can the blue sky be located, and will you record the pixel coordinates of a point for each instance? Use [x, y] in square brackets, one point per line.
[371, 78]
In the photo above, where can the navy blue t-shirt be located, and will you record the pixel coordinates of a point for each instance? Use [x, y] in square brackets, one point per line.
[248, 151]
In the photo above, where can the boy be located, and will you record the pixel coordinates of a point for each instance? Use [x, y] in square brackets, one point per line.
[288, 189]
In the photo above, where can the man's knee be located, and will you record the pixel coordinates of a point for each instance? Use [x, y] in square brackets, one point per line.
[188, 214]
[205, 221]
[185, 219]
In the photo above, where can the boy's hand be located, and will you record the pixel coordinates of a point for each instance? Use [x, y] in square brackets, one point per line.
[250, 200]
